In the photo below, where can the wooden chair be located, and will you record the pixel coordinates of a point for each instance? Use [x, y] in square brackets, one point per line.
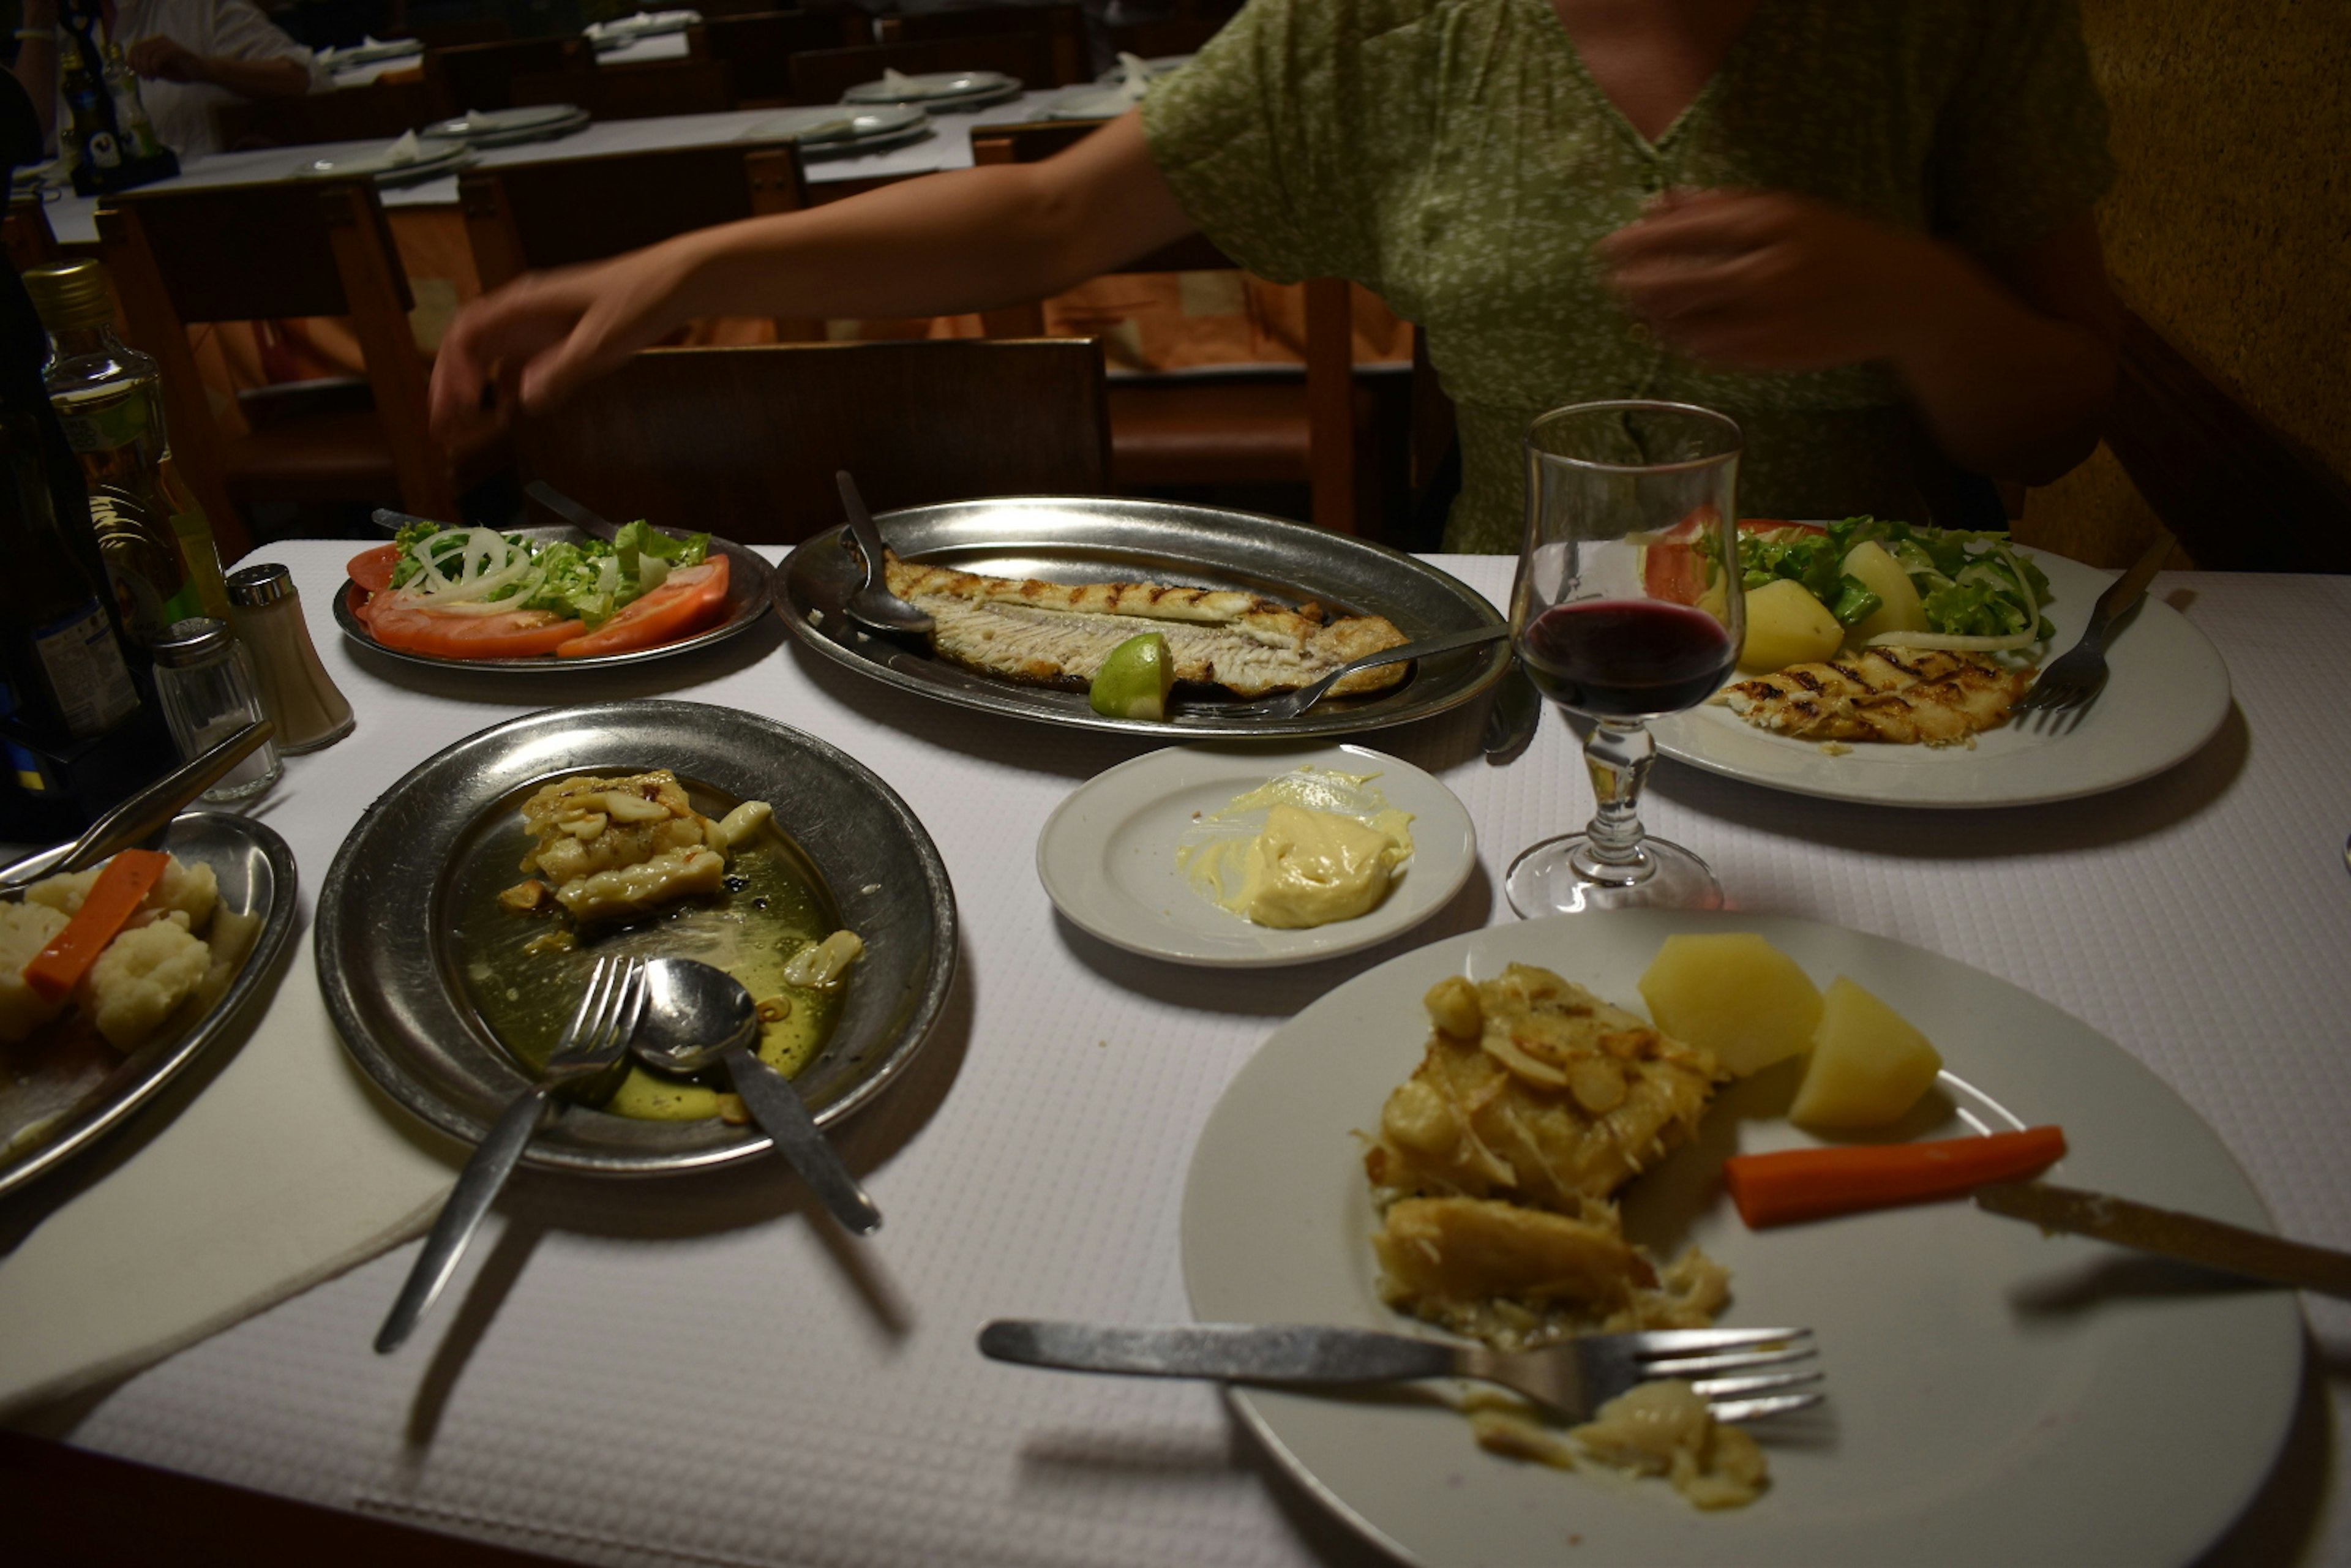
[2238, 496]
[521, 217]
[380, 110]
[1176, 36]
[186, 256]
[1205, 432]
[757, 50]
[630, 92]
[481, 75]
[27, 235]
[743, 442]
[1063, 26]
[821, 75]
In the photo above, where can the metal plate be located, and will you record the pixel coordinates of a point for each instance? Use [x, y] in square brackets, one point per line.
[1082, 539]
[384, 974]
[748, 591]
[87, 1087]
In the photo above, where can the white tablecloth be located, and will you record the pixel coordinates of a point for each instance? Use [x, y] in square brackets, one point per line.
[74, 221]
[820, 1400]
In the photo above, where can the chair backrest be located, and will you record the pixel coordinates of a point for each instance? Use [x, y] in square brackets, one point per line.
[744, 441]
[521, 216]
[26, 236]
[380, 109]
[2238, 496]
[821, 75]
[481, 75]
[186, 255]
[757, 50]
[1330, 345]
[631, 93]
[1063, 26]
[1175, 35]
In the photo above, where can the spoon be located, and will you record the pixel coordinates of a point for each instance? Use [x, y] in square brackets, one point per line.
[873, 605]
[696, 1015]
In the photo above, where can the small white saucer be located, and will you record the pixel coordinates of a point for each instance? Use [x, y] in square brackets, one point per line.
[1107, 856]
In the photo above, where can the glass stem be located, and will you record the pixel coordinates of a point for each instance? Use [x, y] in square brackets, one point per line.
[1617, 757]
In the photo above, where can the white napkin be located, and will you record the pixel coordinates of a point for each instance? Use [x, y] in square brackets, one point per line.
[407, 150]
[286, 1170]
[899, 81]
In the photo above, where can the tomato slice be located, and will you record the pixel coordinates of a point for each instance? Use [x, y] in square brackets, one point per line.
[371, 568]
[1672, 570]
[515, 634]
[690, 600]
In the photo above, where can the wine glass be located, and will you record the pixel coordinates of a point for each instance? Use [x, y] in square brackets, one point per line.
[1623, 611]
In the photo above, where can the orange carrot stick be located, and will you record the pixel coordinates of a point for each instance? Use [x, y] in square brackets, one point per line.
[113, 898]
[1811, 1184]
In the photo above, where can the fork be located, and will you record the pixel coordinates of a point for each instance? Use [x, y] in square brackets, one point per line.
[1290, 705]
[596, 1038]
[2074, 681]
[1570, 1380]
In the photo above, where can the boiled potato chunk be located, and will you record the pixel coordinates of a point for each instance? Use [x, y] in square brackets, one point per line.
[1786, 625]
[1869, 1065]
[1878, 572]
[1734, 994]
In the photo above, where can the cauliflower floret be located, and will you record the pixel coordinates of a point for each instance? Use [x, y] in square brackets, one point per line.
[192, 889]
[25, 930]
[64, 893]
[142, 976]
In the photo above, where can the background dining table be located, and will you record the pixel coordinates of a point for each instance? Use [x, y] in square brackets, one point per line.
[702, 1370]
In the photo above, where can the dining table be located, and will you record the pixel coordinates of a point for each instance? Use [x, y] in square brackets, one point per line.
[704, 1369]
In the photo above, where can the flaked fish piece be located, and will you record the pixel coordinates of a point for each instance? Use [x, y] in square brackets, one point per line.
[1900, 695]
[1052, 633]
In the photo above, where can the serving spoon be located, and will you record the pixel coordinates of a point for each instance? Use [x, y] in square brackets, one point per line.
[874, 603]
[696, 1015]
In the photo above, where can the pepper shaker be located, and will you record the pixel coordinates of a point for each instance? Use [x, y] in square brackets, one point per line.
[205, 682]
[296, 690]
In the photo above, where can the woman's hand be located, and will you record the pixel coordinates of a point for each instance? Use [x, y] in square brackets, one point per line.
[167, 59]
[544, 334]
[1765, 281]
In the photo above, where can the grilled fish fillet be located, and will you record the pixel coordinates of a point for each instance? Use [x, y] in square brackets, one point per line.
[1055, 632]
[1904, 695]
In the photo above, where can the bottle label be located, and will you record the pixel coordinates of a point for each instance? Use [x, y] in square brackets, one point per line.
[105, 429]
[86, 671]
[102, 150]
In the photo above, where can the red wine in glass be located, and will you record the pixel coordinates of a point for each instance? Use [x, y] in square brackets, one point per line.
[1625, 658]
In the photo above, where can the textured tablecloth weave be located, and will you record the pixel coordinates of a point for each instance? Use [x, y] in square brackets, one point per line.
[815, 1400]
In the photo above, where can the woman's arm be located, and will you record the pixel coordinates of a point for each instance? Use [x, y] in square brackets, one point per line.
[966, 240]
[2010, 366]
[36, 62]
[171, 60]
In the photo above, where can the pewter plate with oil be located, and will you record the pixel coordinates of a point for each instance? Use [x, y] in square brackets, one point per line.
[1090, 539]
[748, 591]
[66, 1090]
[436, 1002]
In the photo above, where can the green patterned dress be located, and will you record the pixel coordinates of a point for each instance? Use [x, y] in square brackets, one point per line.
[1456, 157]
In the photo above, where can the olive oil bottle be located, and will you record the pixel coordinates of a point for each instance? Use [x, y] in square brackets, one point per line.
[157, 542]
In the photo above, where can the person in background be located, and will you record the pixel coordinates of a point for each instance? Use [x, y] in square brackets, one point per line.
[1862, 231]
[191, 55]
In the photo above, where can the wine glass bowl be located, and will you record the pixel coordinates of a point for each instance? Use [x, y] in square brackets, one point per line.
[1627, 607]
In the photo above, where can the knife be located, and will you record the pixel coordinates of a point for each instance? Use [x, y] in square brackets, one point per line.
[1513, 715]
[2192, 1239]
[571, 511]
[147, 812]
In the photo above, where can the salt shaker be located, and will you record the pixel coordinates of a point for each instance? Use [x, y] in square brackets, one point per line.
[296, 690]
[206, 681]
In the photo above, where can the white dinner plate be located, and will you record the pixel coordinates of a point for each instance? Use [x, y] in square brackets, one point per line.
[622, 31]
[371, 51]
[940, 89]
[1091, 103]
[505, 127]
[832, 124]
[1994, 1395]
[1154, 68]
[1107, 856]
[2167, 695]
[436, 156]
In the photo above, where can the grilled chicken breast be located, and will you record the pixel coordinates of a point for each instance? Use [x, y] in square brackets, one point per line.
[1903, 696]
[1057, 634]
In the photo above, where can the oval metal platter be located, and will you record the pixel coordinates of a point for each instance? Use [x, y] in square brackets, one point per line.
[748, 591]
[67, 1099]
[1086, 539]
[390, 978]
